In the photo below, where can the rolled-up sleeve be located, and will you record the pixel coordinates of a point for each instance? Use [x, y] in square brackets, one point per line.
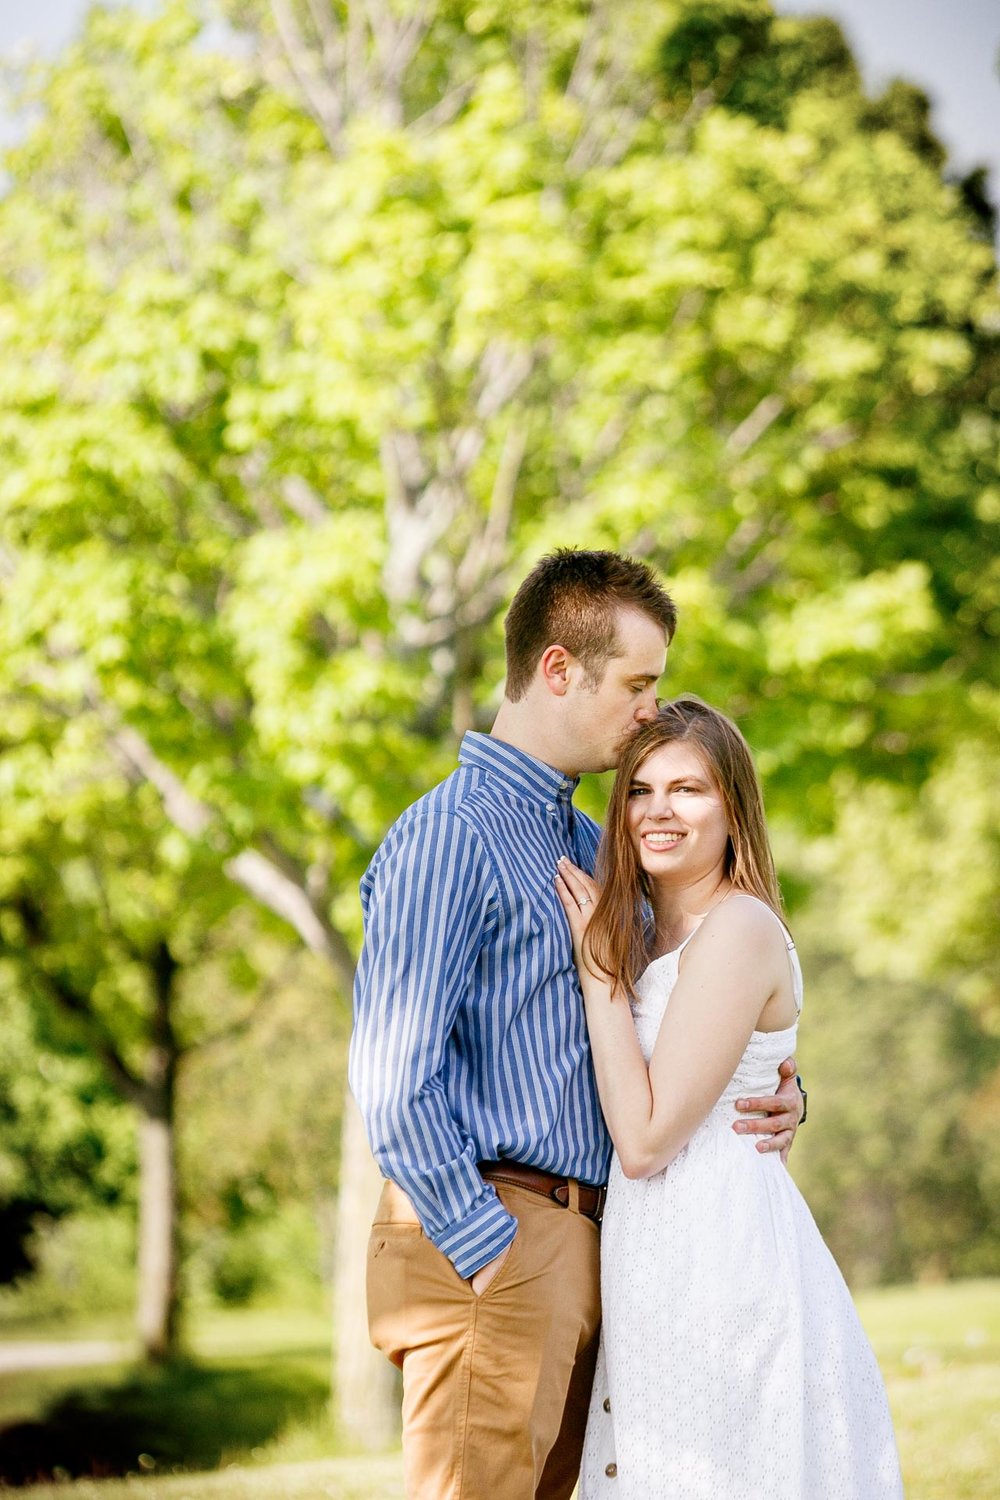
[430, 898]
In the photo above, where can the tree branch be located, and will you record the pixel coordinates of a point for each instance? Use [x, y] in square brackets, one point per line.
[329, 34]
[321, 101]
[582, 74]
[137, 755]
[752, 428]
[263, 880]
[302, 499]
[257, 875]
[446, 108]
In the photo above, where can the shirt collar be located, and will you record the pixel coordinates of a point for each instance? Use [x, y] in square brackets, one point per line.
[518, 770]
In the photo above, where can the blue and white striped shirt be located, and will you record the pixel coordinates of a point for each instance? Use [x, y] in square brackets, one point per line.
[469, 1036]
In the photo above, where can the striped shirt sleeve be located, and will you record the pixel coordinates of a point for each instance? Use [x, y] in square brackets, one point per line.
[431, 900]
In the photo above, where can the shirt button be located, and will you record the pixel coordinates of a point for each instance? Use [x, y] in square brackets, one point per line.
[611, 1470]
[607, 1403]
[550, 807]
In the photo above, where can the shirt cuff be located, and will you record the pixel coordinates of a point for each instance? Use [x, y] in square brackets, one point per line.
[478, 1238]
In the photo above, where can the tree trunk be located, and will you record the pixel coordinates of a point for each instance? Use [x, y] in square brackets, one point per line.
[159, 1288]
[365, 1384]
[158, 1300]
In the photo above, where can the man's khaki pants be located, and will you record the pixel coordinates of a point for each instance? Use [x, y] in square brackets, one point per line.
[495, 1387]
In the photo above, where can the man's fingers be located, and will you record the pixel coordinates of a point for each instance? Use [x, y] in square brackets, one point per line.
[772, 1126]
[780, 1142]
[774, 1104]
[775, 1117]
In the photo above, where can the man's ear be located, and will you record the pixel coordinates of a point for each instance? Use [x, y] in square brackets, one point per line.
[555, 668]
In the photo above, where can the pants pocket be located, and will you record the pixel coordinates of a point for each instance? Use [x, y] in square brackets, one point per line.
[391, 1249]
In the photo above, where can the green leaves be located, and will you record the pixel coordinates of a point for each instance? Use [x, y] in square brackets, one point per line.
[305, 361]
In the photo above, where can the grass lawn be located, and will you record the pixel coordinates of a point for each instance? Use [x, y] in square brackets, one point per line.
[939, 1347]
[324, 1479]
[255, 1389]
[252, 1406]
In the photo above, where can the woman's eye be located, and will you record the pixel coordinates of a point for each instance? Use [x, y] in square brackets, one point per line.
[637, 791]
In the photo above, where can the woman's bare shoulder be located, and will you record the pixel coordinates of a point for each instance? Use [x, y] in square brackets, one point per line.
[743, 919]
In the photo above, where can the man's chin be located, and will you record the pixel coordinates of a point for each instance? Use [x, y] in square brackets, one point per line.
[619, 749]
[608, 762]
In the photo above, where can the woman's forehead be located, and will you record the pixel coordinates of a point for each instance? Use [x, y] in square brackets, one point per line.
[677, 758]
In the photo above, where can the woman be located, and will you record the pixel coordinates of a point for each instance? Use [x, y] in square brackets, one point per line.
[733, 1365]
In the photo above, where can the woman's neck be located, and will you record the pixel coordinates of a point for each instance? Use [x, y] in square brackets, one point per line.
[679, 912]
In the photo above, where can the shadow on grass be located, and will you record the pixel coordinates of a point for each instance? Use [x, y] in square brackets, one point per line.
[181, 1415]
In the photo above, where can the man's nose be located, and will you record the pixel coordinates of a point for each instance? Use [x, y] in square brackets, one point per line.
[647, 710]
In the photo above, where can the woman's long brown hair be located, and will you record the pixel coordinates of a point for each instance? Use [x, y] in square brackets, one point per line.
[617, 935]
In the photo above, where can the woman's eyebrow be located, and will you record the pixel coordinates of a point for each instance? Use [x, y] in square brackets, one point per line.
[676, 781]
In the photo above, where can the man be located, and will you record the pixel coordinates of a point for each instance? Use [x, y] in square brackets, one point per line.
[470, 1061]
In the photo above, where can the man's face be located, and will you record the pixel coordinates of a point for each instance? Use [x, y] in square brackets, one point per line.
[625, 697]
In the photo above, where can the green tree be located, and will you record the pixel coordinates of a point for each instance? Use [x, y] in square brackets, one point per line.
[63, 1147]
[120, 937]
[313, 346]
[894, 1161]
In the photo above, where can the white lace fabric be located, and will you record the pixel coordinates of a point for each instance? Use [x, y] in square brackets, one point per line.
[733, 1365]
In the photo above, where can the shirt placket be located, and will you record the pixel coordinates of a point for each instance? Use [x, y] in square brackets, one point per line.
[559, 809]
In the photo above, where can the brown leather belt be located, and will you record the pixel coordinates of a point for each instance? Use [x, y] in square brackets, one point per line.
[547, 1185]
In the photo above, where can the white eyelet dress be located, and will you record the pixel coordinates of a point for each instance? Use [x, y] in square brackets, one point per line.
[732, 1363]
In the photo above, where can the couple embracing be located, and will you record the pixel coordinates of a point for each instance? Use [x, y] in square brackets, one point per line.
[573, 1055]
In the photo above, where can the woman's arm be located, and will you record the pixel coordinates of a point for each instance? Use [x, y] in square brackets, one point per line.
[730, 971]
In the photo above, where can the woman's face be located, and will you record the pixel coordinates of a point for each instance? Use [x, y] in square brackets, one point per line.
[676, 816]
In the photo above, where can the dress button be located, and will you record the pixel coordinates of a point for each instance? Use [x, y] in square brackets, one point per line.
[611, 1470]
[607, 1403]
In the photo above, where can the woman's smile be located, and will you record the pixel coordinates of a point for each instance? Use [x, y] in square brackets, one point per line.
[662, 838]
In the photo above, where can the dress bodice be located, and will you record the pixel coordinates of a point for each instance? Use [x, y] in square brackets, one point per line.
[757, 1071]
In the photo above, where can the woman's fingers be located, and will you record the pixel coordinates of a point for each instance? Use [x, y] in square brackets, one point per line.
[576, 915]
[578, 882]
[571, 905]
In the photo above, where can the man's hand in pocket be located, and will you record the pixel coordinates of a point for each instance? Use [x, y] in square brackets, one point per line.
[482, 1278]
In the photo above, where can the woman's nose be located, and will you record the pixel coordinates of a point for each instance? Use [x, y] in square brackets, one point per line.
[661, 805]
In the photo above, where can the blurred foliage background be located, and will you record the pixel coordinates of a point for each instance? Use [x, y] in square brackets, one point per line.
[320, 323]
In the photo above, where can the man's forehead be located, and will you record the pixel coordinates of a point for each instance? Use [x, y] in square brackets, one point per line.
[642, 644]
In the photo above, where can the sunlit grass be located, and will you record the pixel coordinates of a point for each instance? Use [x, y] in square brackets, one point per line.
[329, 1479]
[919, 1329]
[939, 1347]
[253, 1388]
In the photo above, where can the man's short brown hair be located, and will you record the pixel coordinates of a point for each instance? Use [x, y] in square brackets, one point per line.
[571, 598]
